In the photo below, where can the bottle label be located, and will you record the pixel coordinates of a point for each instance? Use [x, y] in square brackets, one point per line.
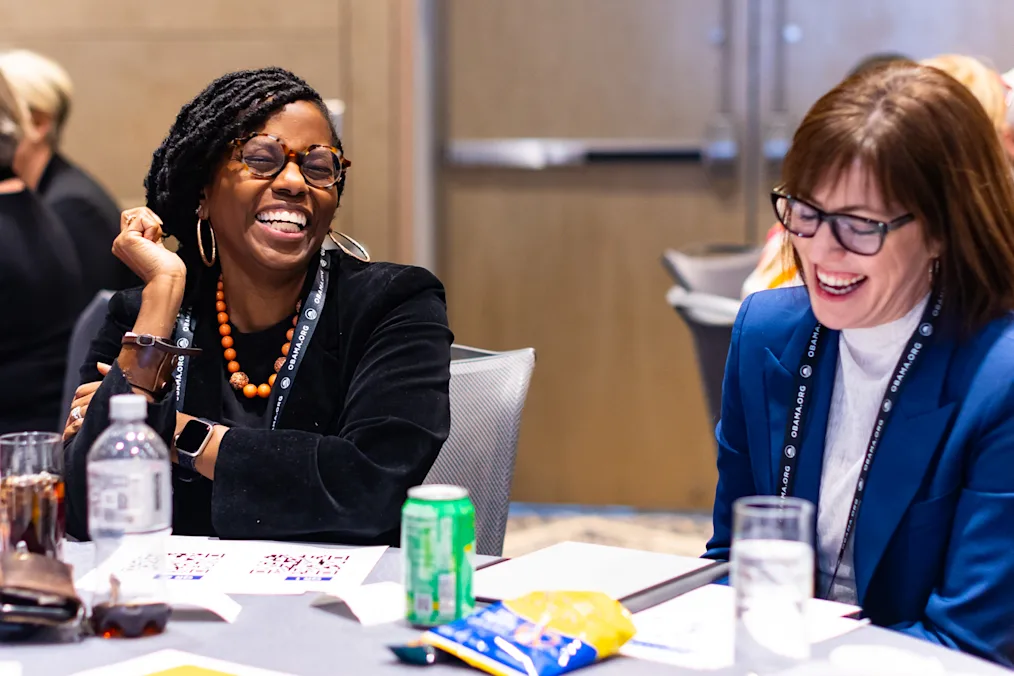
[129, 501]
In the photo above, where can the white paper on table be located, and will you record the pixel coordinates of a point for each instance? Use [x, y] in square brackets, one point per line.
[579, 566]
[370, 604]
[696, 630]
[8, 668]
[271, 568]
[260, 568]
[192, 603]
[164, 660]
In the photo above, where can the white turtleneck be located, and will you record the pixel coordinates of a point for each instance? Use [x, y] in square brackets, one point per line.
[866, 361]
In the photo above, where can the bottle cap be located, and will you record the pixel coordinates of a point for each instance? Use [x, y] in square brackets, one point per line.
[128, 407]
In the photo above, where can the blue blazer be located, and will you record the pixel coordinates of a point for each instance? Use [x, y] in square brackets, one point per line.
[934, 538]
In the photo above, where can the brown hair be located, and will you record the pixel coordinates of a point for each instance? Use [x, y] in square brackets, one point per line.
[931, 149]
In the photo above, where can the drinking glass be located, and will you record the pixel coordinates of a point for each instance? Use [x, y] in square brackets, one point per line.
[32, 492]
[772, 574]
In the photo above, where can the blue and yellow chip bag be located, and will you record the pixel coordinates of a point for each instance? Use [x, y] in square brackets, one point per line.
[540, 634]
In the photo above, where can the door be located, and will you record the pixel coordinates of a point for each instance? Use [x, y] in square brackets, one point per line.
[565, 259]
[691, 105]
[805, 47]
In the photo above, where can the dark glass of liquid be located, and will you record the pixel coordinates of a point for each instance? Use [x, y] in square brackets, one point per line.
[32, 492]
[127, 620]
[35, 512]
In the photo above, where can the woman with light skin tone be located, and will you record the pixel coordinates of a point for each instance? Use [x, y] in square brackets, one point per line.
[89, 214]
[855, 291]
[302, 390]
[40, 278]
[882, 390]
[986, 84]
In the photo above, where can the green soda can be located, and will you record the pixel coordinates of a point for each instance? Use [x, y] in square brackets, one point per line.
[438, 546]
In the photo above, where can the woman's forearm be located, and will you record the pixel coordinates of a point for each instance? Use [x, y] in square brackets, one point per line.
[160, 304]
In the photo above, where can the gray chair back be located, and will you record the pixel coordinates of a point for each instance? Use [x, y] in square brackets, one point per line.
[709, 280]
[86, 328]
[719, 269]
[488, 391]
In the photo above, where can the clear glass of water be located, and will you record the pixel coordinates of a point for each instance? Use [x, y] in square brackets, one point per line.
[772, 574]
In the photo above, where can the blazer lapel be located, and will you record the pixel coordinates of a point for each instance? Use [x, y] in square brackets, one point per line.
[811, 461]
[779, 381]
[909, 444]
[312, 401]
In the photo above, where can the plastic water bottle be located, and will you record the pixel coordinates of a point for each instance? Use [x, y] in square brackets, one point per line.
[129, 520]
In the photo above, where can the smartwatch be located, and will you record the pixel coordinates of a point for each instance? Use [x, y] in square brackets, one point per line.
[191, 442]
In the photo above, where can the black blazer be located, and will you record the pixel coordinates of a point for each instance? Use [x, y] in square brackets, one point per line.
[92, 220]
[366, 415]
[40, 299]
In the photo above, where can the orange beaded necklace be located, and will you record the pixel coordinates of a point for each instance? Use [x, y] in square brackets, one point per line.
[238, 379]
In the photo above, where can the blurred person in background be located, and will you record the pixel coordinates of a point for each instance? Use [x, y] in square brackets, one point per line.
[90, 215]
[775, 268]
[40, 280]
[1008, 83]
[248, 181]
[988, 86]
[881, 391]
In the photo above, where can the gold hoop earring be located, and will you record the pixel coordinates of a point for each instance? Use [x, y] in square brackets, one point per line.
[365, 255]
[200, 243]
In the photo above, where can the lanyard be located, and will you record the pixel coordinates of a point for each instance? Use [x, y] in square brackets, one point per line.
[310, 313]
[801, 408]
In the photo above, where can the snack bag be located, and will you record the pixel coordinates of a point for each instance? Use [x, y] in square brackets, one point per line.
[539, 634]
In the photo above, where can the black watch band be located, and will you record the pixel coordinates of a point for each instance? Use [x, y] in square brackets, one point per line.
[191, 442]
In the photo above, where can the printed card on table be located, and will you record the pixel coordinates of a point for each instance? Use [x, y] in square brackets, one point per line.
[270, 568]
[247, 567]
[177, 663]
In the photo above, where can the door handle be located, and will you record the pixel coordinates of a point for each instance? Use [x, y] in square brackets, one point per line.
[778, 132]
[544, 153]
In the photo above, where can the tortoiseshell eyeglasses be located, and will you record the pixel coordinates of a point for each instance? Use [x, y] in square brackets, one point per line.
[264, 156]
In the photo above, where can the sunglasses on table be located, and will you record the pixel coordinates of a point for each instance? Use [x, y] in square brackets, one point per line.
[264, 156]
[863, 236]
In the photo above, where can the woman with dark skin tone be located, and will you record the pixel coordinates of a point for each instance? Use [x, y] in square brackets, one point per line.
[330, 457]
[266, 267]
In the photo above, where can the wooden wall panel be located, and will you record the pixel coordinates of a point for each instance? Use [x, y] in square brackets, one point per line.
[567, 260]
[135, 63]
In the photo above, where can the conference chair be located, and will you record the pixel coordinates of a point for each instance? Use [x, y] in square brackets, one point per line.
[706, 296]
[488, 391]
[85, 329]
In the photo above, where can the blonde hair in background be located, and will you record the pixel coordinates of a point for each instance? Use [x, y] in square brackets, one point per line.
[42, 84]
[984, 82]
[1008, 79]
[13, 122]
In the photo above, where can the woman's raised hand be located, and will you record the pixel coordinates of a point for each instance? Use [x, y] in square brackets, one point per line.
[139, 245]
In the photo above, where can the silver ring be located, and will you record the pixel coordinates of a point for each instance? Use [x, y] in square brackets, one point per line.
[75, 413]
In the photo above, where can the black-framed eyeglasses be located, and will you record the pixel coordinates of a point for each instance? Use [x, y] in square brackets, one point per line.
[863, 236]
[264, 156]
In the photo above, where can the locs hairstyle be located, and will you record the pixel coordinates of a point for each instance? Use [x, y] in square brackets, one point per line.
[230, 107]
